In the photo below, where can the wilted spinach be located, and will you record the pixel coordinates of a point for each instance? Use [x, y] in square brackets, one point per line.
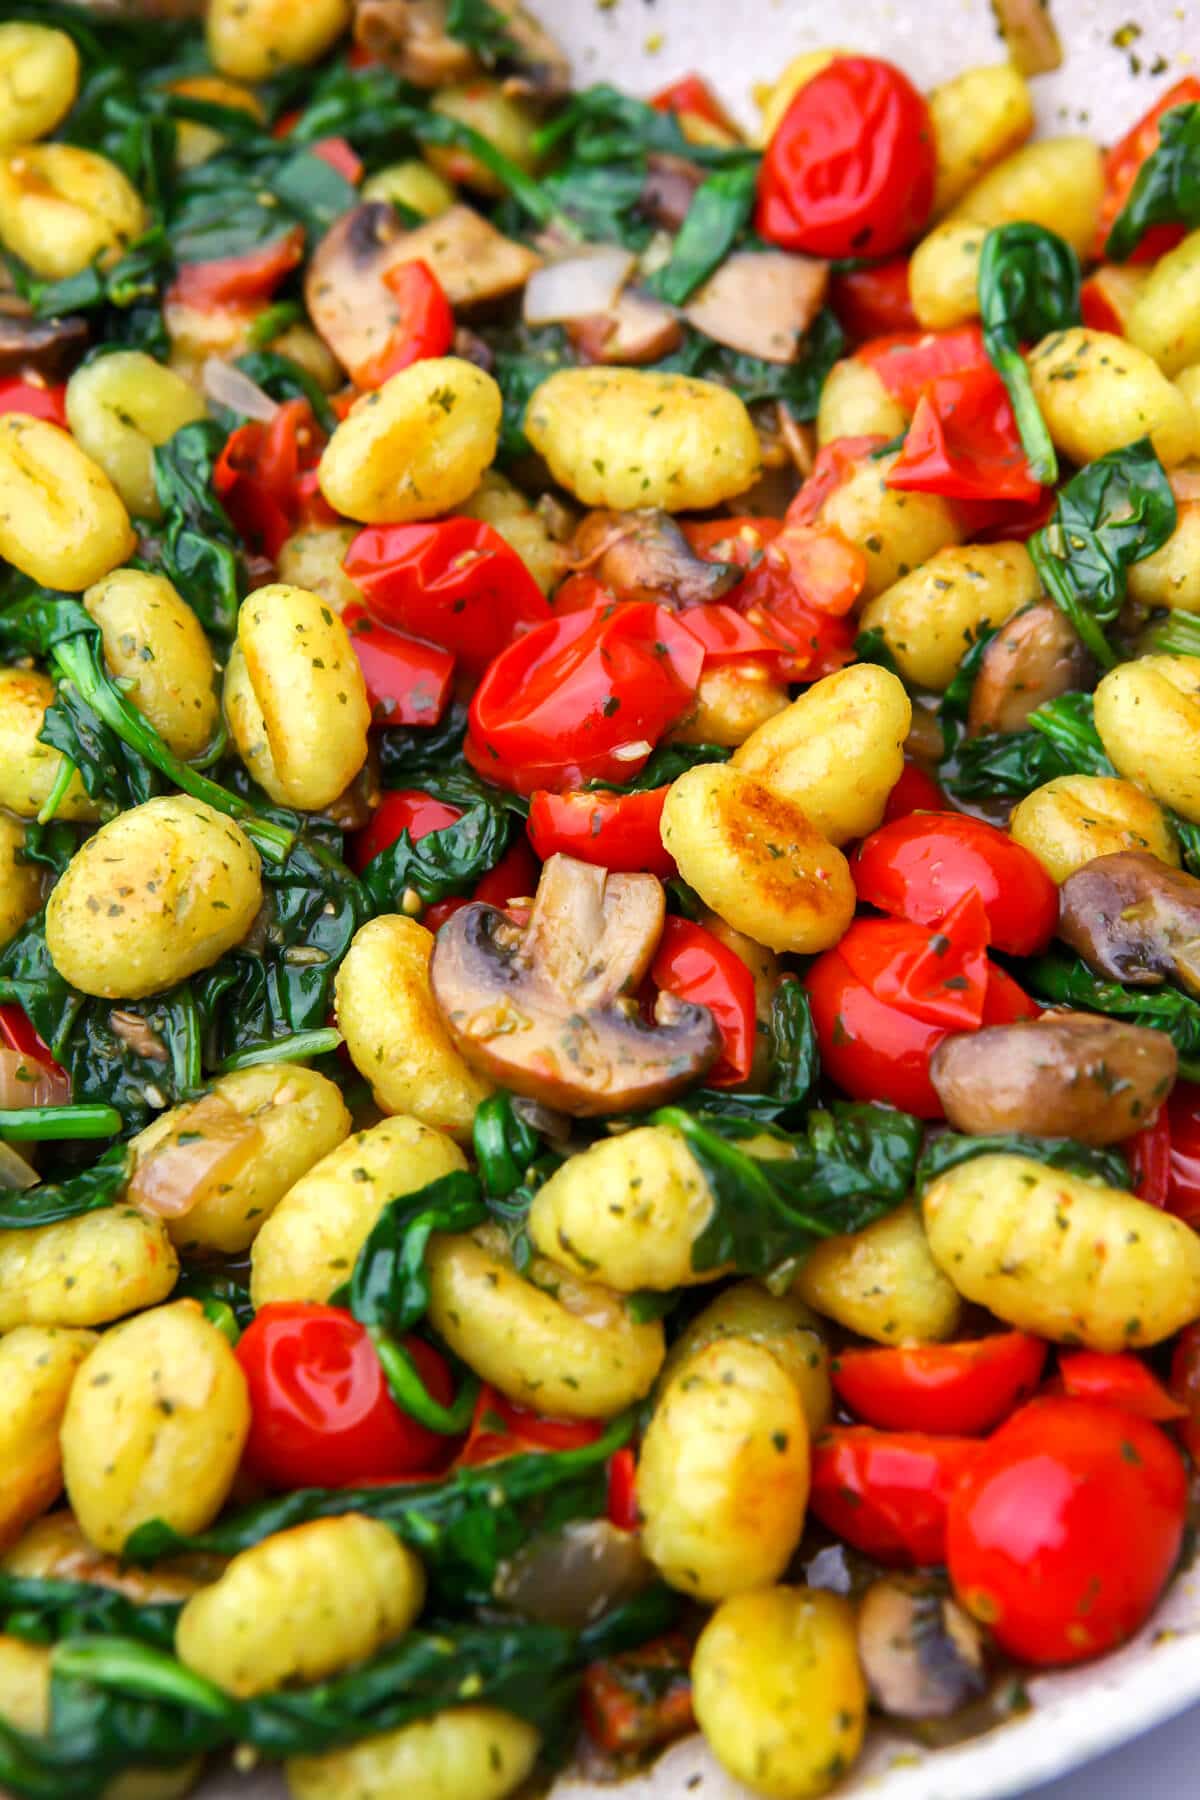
[50, 1202]
[793, 1065]
[1064, 980]
[1167, 188]
[718, 216]
[42, 1609]
[1028, 286]
[948, 1151]
[444, 862]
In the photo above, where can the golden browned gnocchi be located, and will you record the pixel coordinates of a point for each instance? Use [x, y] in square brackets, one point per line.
[979, 117]
[313, 558]
[1074, 818]
[29, 768]
[154, 1425]
[882, 1283]
[504, 507]
[160, 891]
[855, 403]
[62, 208]
[896, 531]
[928, 617]
[943, 275]
[503, 118]
[37, 1367]
[155, 645]
[1057, 183]
[119, 410]
[470, 1753]
[20, 879]
[733, 699]
[413, 184]
[84, 1271]
[252, 39]
[1163, 318]
[1148, 717]
[62, 521]
[1171, 576]
[1098, 393]
[782, 1324]
[39, 78]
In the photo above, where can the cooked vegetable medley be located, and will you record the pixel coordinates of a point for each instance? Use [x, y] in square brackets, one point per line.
[599, 901]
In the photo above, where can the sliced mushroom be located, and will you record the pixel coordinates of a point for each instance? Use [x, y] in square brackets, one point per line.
[635, 331]
[1135, 919]
[645, 556]
[761, 302]
[668, 190]
[1065, 1075]
[1034, 658]
[346, 290]
[549, 1010]
[543, 68]
[921, 1653]
[410, 37]
[46, 347]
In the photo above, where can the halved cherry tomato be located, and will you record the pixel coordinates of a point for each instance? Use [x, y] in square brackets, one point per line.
[873, 302]
[16, 1033]
[322, 1414]
[1122, 166]
[836, 462]
[829, 571]
[579, 592]
[501, 1428]
[914, 792]
[963, 443]
[801, 623]
[1063, 1530]
[956, 1390]
[850, 169]
[1119, 1379]
[453, 581]
[38, 399]
[515, 877]
[887, 1492]
[641, 1699]
[614, 831]
[258, 476]
[1148, 1154]
[424, 328]
[919, 867]
[408, 681]
[622, 1490]
[1183, 1178]
[246, 280]
[403, 809]
[1185, 1386]
[584, 698]
[692, 94]
[725, 634]
[907, 363]
[696, 966]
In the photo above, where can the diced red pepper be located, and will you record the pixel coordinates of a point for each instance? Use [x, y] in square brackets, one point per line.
[247, 280]
[38, 399]
[424, 327]
[408, 680]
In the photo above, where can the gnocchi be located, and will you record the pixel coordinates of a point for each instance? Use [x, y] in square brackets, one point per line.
[1074, 818]
[62, 522]
[119, 410]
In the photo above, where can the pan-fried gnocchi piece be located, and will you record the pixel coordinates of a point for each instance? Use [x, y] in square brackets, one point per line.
[884, 1283]
[627, 1212]
[722, 1480]
[733, 699]
[159, 892]
[252, 39]
[634, 437]
[1098, 392]
[295, 697]
[547, 1339]
[216, 1168]
[20, 881]
[979, 117]
[895, 531]
[39, 78]
[1067, 1258]
[943, 275]
[62, 208]
[1171, 576]
[301, 1605]
[928, 616]
[55, 1549]
[503, 118]
[195, 143]
[1074, 818]
[504, 507]
[756, 858]
[1165, 318]
[837, 751]
[29, 768]
[155, 645]
[411, 183]
[37, 1367]
[62, 522]
[1055, 182]
[84, 1271]
[779, 1692]
[308, 1246]
[1148, 717]
[416, 447]
[471, 1753]
[783, 1325]
[394, 1032]
[154, 1426]
[855, 403]
[313, 559]
[119, 408]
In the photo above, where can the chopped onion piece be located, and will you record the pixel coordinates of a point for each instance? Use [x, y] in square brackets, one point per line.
[579, 286]
[229, 387]
[24, 1081]
[15, 1172]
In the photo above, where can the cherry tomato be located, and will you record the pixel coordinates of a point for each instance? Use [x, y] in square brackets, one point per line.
[501, 1428]
[963, 443]
[914, 792]
[622, 1507]
[1123, 164]
[908, 363]
[583, 698]
[696, 966]
[16, 1033]
[1064, 1529]
[800, 622]
[1121, 1379]
[887, 1492]
[454, 581]
[836, 462]
[850, 169]
[403, 809]
[408, 681]
[956, 1390]
[692, 94]
[38, 399]
[247, 280]
[258, 476]
[321, 1411]
[919, 867]
[725, 634]
[1183, 1177]
[515, 877]
[873, 302]
[1148, 1153]
[424, 326]
[1185, 1386]
[615, 831]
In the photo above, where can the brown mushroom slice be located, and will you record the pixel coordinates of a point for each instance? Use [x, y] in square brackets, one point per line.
[46, 347]
[635, 331]
[549, 1011]
[921, 1653]
[410, 36]
[645, 556]
[1135, 919]
[1035, 657]
[1065, 1075]
[347, 296]
[669, 189]
[760, 302]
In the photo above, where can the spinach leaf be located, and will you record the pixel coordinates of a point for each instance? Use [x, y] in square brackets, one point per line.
[666, 764]
[195, 545]
[853, 1164]
[408, 754]
[504, 1144]
[792, 1071]
[444, 862]
[956, 701]
[948, 1150]
[719, 213]
[602, 125]
[481, 28]
[1068, 723]
[1064, 980]
[600, 201]
[1060, 739]
[48, 1203]
[1028, 286]
[525, 358]
[797, 385]
[871, 646]
[1114, 512]
[1167, 188]
[224, 1301]
[1173, 634]
[41, 1610]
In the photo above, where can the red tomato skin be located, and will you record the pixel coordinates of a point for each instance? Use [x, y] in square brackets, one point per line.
[695, 965]
[1185, 1386]
[621, 832]
[888, 1492]
[908, 363]
[1148, 1153]
[954, 1390]
[622, 1507]
[321, 1411]
[501, 1428]
[850, 169]
[914, 792]
[872, 302]
[692, 94]
[403, 809]
[809, 640]
[36, 399]
[408, 681]
[918, 867]
[1119, 1379]
[1123, 164]
[1063, 1532]
[515, 877]
[963, 443]
[1183, 1179]
[16, 1033]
